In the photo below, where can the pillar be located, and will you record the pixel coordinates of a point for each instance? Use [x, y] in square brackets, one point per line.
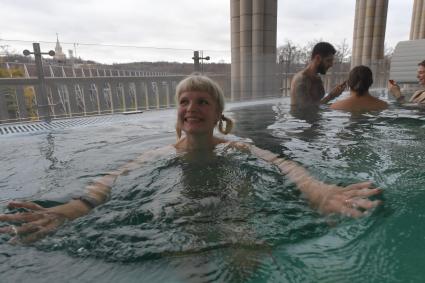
[369, 34]
[417, 27]
[253, 39]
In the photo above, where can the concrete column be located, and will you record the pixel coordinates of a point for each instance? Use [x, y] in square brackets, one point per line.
[235, 49]
[356, 23]
[417, 26]
[258, 56]
[369, 33]
[377, 54]
[359, 27]
[253, 48]
[379, 30]
[413, 22]
[246, 48]
[271, 87]
[422, 21]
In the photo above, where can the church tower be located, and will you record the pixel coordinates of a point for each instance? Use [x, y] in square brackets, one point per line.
[59, 55]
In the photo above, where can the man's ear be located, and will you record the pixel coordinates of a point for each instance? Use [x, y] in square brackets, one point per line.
[317, 58]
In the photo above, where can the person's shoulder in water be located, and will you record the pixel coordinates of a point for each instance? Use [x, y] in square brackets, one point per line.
[359, 81]
[360, 104]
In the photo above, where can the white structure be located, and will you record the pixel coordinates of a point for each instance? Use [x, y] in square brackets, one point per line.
[59, 55]
[404, 63]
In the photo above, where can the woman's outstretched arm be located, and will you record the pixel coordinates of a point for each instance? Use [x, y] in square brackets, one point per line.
[350, 201]
[40, 221]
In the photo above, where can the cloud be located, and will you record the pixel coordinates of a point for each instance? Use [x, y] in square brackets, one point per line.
[183, 24]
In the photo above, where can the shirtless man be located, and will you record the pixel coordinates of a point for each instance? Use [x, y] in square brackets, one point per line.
[307, 87]
[418, 96]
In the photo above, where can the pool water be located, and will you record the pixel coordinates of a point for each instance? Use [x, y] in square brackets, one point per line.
[228, 217]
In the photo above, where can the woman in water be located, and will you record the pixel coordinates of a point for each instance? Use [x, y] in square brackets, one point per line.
[200, 109]
[360, 100]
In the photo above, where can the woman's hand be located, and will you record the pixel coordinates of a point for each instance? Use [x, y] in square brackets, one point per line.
[39, 221]
[35, 224]
[395, 90]
[350, 201]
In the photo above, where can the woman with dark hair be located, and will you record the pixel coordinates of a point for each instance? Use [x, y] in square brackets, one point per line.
[360, 100]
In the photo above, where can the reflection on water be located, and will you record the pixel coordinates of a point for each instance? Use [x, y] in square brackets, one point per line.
[231, 217]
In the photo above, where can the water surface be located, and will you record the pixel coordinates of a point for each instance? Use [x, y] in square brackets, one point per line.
[230, 217]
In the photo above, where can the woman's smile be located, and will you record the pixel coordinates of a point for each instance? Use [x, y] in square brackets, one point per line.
[197, 112]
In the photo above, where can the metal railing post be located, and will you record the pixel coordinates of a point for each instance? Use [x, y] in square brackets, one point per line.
[42, 101]
[43, 106]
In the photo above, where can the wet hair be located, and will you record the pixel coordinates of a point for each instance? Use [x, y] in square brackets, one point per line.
[422, 63]
[323, 49]
[360, 79]
[196, 82]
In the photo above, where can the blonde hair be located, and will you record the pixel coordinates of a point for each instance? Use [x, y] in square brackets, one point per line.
[202, 83]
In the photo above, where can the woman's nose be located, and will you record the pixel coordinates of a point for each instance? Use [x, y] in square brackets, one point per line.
[191, 106]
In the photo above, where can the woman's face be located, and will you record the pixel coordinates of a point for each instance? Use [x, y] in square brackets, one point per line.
[197, 112]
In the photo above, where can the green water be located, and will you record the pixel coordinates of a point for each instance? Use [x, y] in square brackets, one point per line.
[231, 217]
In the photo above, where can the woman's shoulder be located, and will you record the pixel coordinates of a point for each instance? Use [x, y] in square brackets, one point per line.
[381, 102]
[343, 104]
[364, 104]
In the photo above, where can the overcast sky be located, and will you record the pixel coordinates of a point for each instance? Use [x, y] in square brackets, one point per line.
[182, 25]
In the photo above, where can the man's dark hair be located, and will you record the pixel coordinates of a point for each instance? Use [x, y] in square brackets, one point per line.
[323, 49]
[360, 79]
[422, 63]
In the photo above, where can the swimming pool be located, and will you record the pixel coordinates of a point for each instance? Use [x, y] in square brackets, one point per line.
[231, 218]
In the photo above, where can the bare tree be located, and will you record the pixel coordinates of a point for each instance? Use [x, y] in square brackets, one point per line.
[343, 52]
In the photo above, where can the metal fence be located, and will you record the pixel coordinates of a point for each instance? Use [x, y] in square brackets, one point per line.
[34, 92]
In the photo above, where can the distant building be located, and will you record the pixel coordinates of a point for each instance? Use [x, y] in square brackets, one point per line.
[59, 55]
